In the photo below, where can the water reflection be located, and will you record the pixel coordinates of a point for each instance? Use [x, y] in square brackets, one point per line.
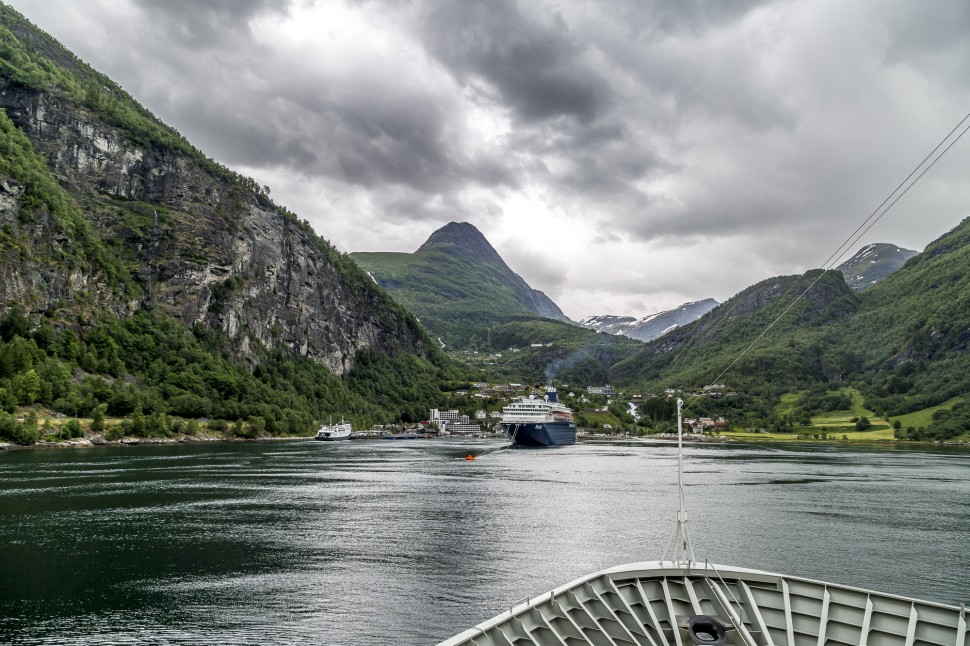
[380, 542]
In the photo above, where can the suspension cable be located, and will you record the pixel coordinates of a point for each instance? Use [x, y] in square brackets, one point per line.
[856, 235]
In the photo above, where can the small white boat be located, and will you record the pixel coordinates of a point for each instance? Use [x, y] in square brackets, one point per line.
[330, 432]
[682, 602]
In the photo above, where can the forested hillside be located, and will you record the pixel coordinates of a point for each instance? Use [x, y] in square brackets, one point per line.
[903, 343]
[872, 263]
[798, 350]
[913, 329]
[548, 352]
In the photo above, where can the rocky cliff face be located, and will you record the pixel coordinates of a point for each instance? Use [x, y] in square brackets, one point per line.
[200, 246]
[28, 278]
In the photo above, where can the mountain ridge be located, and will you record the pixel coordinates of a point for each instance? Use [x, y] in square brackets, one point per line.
[458, 285]
[141, 278]
[696, 353]
[651, 326]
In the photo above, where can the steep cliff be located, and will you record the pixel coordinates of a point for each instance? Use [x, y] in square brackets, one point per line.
[138, 219]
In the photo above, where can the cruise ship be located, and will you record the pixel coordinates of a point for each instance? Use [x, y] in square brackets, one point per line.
[529, 421]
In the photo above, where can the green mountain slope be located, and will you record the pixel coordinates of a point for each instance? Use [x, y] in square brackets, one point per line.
[458, 286]
[903, 343]
[796, 351]
[913, 329]
[545, 351]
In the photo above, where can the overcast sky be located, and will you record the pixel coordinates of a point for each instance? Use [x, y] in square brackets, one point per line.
[622, 156]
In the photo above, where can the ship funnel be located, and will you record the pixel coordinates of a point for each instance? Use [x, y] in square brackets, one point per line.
[551, 395]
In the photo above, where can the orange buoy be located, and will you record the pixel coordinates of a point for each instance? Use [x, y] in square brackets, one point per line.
[469, 457]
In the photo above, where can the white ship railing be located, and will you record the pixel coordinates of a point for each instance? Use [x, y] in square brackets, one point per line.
[650, 604]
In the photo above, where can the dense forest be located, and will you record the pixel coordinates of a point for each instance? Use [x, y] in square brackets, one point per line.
[163, 377]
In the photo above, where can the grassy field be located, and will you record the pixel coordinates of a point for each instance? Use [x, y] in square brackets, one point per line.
[843, 417]
[834, 425]
[839, 424]
[925, 416]
[760, 437]
[787, 404]
[814, 434]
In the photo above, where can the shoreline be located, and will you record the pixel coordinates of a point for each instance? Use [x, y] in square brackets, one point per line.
[781, 442]
[99, 441]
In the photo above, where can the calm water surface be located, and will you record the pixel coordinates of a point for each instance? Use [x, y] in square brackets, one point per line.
[407, 543]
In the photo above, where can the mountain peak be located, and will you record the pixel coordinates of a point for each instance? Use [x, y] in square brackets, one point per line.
[872, 263]
[653, 325]
[461, 238]
[458, 286]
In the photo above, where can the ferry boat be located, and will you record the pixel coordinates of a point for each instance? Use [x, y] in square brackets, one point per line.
[529, 421]
[679, 601]
[330, 432]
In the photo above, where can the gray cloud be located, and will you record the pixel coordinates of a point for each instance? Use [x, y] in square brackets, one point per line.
[536, 67]
[680, 16]
[916, 32]
[655, 131]
[207, 24]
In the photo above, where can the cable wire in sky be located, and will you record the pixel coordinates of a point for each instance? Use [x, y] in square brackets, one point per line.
[935, 155]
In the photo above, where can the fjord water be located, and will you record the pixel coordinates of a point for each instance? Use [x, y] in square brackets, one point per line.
[407, 543]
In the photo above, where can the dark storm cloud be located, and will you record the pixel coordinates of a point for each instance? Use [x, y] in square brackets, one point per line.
[692, 68]
[261, 110]
[251, 102]
[600, 160]
[206, 24]
[680, 16]
[536, 68]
